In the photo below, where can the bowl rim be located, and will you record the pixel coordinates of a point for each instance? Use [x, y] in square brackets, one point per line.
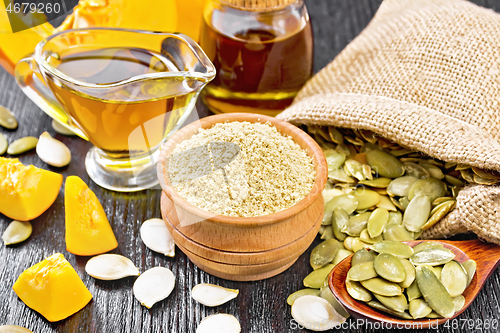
[308, 143]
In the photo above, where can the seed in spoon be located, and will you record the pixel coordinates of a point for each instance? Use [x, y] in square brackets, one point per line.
[361, 272]
[212, 295]
[315, 313]
[7, 118]
[427, 246]
[397, 249]
[409, 273]
[459, 302]
[413, 292]
[110, 267]
[432, 257]
[220, 322]
[22, 145]
[154, 285]
[357, 291]
[382, 287]
[419, 308]
[13, 329]
[362, 256]
[470, 268]
[155, 236]
[397, 303]
[390, 268]
[4, 144]
[379, 306]
[454, 278]
[17, 232]
[52, 151]
[433, 291]
[302, 292]
[59, 128]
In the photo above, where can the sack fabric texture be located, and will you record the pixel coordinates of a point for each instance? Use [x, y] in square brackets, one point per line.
[425, 74]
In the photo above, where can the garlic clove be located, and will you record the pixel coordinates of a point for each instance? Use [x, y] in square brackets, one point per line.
[212, 295]
[315, 313]
[155, 236]
[220, 323]
[52, 151]
[110, 267]
[154, 285]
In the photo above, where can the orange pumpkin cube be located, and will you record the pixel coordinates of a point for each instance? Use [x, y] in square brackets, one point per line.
[53, 288]
[26, 192]
[87, 228]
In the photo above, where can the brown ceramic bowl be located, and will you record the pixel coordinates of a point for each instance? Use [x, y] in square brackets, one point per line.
[267, 244]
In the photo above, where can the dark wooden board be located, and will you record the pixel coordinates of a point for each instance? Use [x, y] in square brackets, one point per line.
[261, 306]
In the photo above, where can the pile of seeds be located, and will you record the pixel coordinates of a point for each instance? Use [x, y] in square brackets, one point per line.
[425, 279]
[378, 190]
[241, 169]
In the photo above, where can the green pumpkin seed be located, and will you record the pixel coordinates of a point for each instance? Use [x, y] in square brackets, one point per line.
[307, 291]
[386, 203]
[327, 294]
[357, 245]
[415, 170]
[339, 222]
[367, 172]
[379, 306]
[4, 144]
[433, 291]
[17, 232]
[377, 221]
[440, 201]
[432, 188]
[438, 213]
[340, 175]
[417, 213]
[401, 186]
[395, 217]
[335, 135]
[396, 232]
[384, 164]
[348, 243]
[400, 152]
[484, 181]
[322, 229]
[427, 246]
[365, 237]
[470, 268]
[354, 141]
[323, 253]
[327, 233]
[403, 203]
[22, 145]
[397, 249]
[357, 291]
[61, 129]
[468, 175]
[362, 256]
[382, 287]
[409, 159]
[486, 174]
[334, 159]
[369, 136]
[454, 181]
[409, 273]
[432, 257]
[342, 148]
[437, 270]
[356, 224]
[419, 308]
[449, 165]
[390, 268]
[330, 194]
[7, 118]
[433, 170]
[461, 166]
[341, 255]
[346, 201]
[433, 315]
[381, 182]
[396, 303]
[454, 278]
[413, 292]
[366, 198]
[354, 168]
[458, 302]
[325, 145]
[455, 190]
[316, 279]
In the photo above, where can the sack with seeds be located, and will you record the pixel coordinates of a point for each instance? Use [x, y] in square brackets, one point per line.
[425, 75]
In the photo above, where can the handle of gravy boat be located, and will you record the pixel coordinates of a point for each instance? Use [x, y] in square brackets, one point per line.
[32, 83]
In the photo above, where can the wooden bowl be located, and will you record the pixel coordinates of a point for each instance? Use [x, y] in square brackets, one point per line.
[243, 241]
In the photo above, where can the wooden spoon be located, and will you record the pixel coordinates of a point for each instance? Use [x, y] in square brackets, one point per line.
[486, 255]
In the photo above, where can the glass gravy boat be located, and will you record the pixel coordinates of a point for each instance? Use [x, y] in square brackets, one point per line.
[126, 91]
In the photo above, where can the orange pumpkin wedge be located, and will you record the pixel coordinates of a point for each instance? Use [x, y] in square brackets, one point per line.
[87, 228]
[26, 191]
[53, 288]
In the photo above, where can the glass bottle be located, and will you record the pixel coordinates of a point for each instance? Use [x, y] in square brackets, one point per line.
[263, 53]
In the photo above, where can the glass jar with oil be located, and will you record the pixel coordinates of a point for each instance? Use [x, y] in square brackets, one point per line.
[263, 53]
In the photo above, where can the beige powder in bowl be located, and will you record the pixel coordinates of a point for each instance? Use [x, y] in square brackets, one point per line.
[241, 169]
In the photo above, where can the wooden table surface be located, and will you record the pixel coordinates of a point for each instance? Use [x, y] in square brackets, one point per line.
[260, 307]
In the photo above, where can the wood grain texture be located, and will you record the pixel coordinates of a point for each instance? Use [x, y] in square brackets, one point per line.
[261, 306]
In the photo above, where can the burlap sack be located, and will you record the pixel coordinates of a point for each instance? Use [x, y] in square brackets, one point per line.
[425, 74]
